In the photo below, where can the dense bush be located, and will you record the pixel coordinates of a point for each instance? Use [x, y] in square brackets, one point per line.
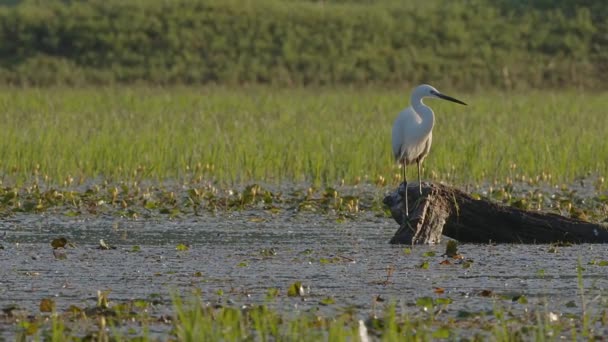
[476, 43]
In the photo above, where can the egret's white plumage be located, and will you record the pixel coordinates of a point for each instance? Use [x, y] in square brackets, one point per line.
[413, 131]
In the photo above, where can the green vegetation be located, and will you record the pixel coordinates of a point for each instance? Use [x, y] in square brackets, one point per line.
[197, 321]
[268, 135]
[134, 200]
[473, 44]
[99, 134]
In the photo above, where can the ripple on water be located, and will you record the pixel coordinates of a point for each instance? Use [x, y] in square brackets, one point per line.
[346, 261]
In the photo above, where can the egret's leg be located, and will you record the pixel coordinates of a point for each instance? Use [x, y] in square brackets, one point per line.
[407, 212]
[419, 181]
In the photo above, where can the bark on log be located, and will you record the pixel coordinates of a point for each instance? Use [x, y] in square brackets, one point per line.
[442, 210]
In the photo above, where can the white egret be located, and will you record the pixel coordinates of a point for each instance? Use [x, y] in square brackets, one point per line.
[413, 131]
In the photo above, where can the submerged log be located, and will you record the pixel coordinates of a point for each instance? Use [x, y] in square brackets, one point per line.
[442, 210]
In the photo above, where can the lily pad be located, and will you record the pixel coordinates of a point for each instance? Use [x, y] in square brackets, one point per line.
[181, 247]
[296, 290]
[59, 242]
[47, 305]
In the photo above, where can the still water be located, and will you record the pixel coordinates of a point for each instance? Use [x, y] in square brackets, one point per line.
[246, 253]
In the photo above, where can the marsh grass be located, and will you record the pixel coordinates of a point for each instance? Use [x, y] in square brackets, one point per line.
[238, 135]
[196, 320]
[192, 315]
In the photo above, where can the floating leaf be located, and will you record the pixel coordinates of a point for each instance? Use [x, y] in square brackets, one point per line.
[296, 290]
[444, 301]
[442, 332]
[327, 301]
[47, 305]
[141, 303]
[130, 213]
[174, 212]
[181, 247]
[73, 309]
[578, 214]
[325, 261]
[521, 203]
[486, 293]
[267, 252]
[151, 205]
[330, 193]
[429, 254]
[135, 248]
[598, 263]
[425, 302]
[59, 242]
[272, 293]
[439, 290]
[30, 328]
[242, 264]
[198, 274]
[424, 265]
[274, 210]
[407, 251]
[445, 262]
[521, 299]
[72, 213]
[219, 292]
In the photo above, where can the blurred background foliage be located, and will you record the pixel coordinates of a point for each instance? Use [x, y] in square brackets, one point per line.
[505, 44]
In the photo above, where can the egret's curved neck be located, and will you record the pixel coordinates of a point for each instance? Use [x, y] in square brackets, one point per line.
[426, 114]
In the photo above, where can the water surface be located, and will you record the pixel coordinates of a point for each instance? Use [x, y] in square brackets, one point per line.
[229, 251]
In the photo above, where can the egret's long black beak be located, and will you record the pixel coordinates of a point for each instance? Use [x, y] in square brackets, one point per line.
[449, 98]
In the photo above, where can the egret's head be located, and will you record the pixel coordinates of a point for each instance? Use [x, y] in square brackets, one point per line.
[425, 90]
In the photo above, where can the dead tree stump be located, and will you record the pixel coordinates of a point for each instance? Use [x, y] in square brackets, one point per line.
[442, 210]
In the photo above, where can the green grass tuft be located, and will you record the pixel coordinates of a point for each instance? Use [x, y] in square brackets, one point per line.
[324, 136]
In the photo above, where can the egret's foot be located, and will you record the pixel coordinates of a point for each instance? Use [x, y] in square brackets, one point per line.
[407, 223]
[406, 217]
